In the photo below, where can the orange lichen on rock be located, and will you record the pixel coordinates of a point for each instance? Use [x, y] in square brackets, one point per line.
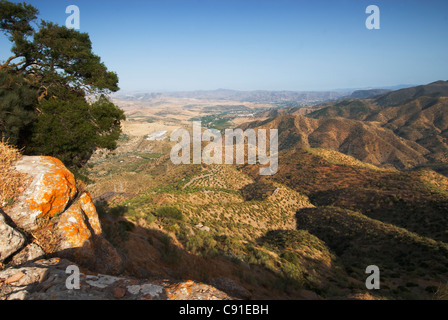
[178, 291]
[61, 216]
[57, 189]
[89, 210]
[73, 227]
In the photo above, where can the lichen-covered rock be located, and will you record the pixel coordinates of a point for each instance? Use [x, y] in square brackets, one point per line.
[11, 240]
[62, 219]
[90, 212]
[74, 236]
[73, 227]
[52, 187]
[30, 253]
[47, 280]
[81, 238]
[191, 290]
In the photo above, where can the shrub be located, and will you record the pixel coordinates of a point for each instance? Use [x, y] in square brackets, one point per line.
[195, 243]
[202, 244]
[150, 218]
[103, 209]
[169, 212]
[126, 225]
[170, 253]
[257, 191]
[290, 257]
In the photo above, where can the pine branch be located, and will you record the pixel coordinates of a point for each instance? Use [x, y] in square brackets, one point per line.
[6, 64]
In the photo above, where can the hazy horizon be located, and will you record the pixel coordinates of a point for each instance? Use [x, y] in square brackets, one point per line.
[394, 87]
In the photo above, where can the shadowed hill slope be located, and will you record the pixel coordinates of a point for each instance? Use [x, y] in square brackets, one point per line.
[403, 257]
[416, 200]
[368, 215]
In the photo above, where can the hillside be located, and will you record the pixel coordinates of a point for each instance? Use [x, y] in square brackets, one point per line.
[368, 215]
[407, 260]
[433, 90]
[417, 115]
[365, 141]
[215, 218]
[229, 223]
[364, 94]
[415, 200]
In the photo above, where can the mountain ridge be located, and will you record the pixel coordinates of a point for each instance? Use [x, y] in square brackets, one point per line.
[418, 115]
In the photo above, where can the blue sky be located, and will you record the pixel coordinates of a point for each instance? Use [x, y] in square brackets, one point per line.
[170, 45]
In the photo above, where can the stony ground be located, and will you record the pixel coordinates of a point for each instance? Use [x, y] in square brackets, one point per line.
[47, 280]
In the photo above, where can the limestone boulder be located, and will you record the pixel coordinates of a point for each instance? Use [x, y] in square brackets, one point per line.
[61, 219]
[29, 253]
[51, 188]
[11, 240]
[80, 238]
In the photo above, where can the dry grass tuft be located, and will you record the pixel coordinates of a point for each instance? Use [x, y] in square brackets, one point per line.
[11, 181]
[442, 292]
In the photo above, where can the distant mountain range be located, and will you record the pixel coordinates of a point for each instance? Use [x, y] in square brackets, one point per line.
[405, 128]
[364, 94]
[417, 115]
[260, 96]
[241, 96]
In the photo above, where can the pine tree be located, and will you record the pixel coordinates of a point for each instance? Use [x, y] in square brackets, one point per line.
[17, 101]
[47, 89]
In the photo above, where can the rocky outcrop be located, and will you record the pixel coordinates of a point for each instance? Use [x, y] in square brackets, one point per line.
[52, 216]
[11, 241]
[30, 253]
[53, 224]
[47, 280]
[52, 187]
